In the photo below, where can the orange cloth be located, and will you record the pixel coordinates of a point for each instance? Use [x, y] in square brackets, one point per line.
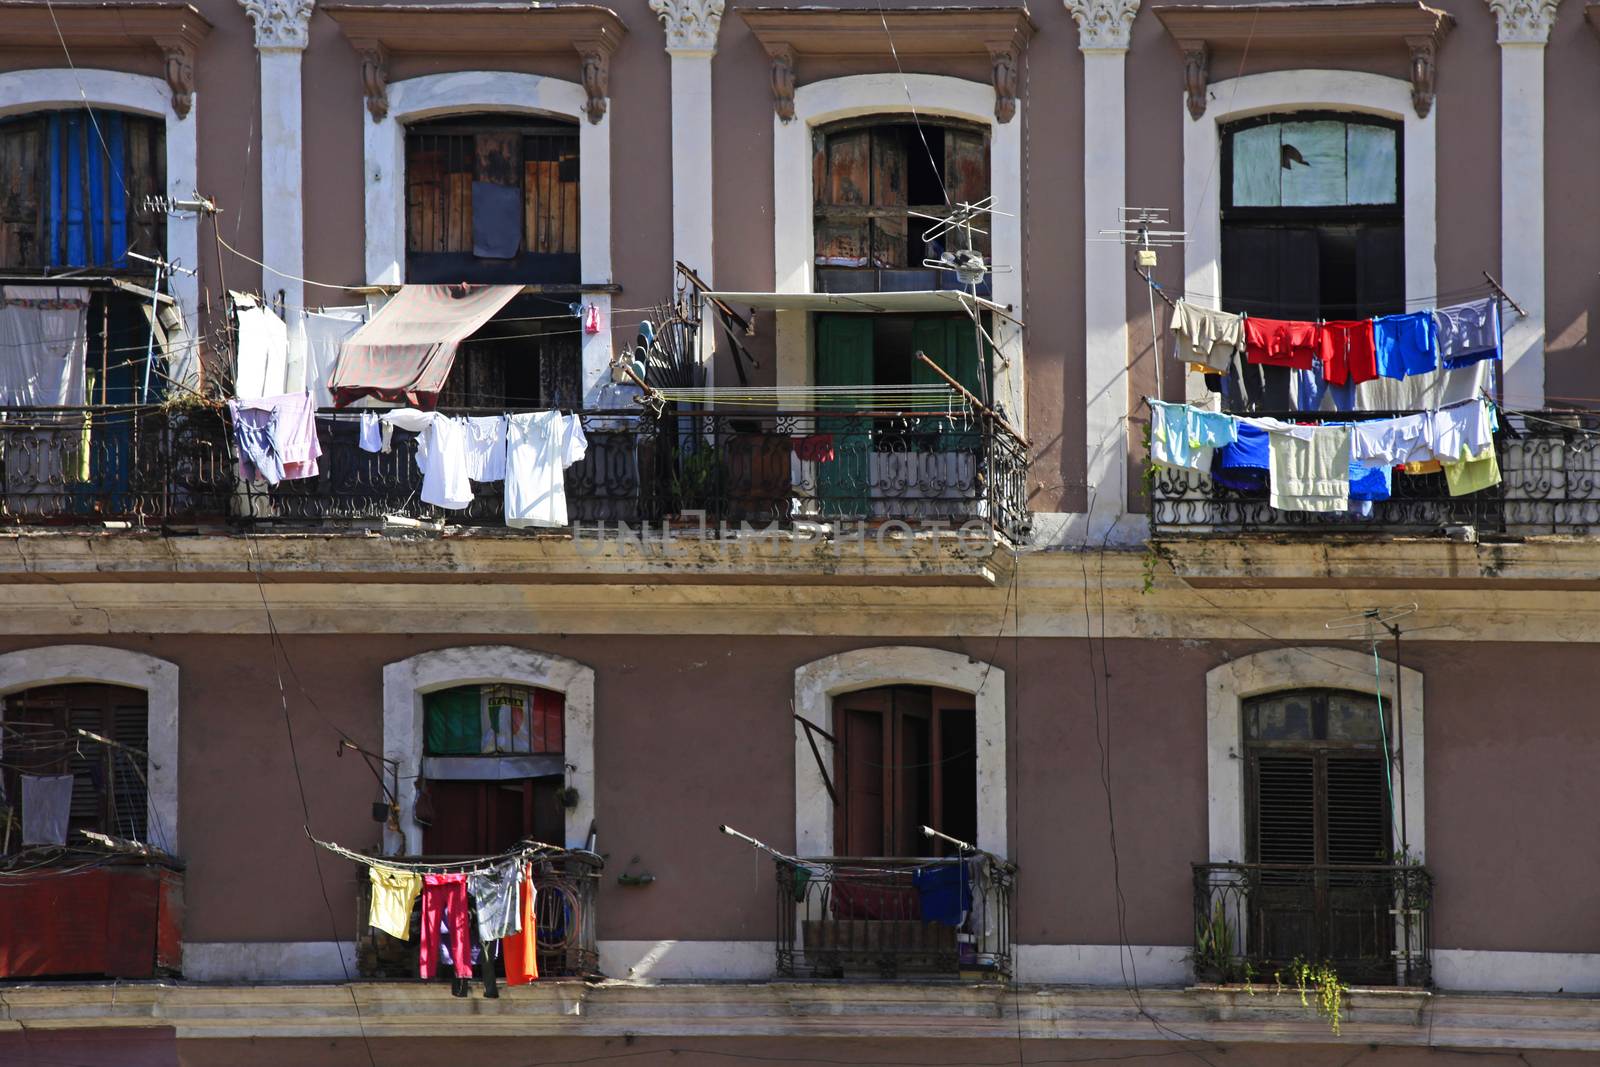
[1426, 466]
[521, 949]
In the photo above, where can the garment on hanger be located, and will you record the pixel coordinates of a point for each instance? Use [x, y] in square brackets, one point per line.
[540, 445]
[1348, 351]
[1405, 344]
[322, 331]
[1310, 468]
[261, 350]
[444, 899]
[1468, 332]
[290, 423]
[486, 447]
[1390, 442]
[393, 893]
[441, 455]
[1280, 342]
[1461, 432]
[1206, 338]
[521, 949]
[1473, 475]
[496, 894]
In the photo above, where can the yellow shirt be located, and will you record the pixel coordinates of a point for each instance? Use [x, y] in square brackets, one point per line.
[393, 893]
[1473, 475]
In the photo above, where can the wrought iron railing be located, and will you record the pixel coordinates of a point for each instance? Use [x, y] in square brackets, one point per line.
[1370, 924]
[891, 918]
[139, 465]
[565, 892]
[1188, 503]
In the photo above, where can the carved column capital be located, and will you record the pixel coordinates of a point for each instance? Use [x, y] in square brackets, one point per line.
[1524, 21]
[782, 81]
[1003, 61]
[1196, 75]
[178, 67]
[280, 24]
[1423, 69]
[596, 77]
[1103, 25]
[375, 77]
[691, 25]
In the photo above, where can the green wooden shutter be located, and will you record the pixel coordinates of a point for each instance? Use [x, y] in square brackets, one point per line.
[844, 357]
[952, 343]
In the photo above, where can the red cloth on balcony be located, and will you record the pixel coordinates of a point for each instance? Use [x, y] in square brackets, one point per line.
[1281, 343]
[1347, 351]
[817, 448]
[444, 898]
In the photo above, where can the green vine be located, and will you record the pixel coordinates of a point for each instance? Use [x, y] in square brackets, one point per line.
[1320, 978]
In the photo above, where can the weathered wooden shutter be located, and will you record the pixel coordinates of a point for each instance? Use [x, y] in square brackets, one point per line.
[1284, 792]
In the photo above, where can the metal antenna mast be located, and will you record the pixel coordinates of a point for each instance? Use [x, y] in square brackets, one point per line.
[1138, 228]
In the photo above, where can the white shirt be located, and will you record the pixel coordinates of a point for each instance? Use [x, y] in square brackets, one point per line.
[486, 448]
[1391, 442]
[441, 455]
[263, 354]
[539, 446]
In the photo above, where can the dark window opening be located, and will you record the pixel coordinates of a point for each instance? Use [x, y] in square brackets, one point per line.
[109, 795]
[862, 349]
[904, 757]
[492, 200]
[522, 358]
[1318, 812]
[1312, 224]
[871, 181]
[74, 188]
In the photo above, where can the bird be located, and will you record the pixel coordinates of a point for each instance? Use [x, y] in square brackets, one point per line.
[1290, 155]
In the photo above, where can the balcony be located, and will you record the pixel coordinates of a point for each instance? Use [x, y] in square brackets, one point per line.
[90, 915]
[565, 891]
[895, 918]
[1550, 470]
[1371, 924]
[162, 467]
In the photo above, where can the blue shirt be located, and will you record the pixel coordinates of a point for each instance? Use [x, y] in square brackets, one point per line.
[1406, 344]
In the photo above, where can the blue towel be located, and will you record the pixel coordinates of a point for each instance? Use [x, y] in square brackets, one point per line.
[943, 892]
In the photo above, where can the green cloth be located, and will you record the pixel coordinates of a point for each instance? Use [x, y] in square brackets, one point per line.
[1473, 475]
[454, 721]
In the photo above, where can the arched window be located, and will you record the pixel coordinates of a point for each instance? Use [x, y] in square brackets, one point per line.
[75, 186]
[872, 179]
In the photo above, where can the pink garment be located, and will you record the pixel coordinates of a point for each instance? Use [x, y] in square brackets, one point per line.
[295, 431]
[817, 448]
[591, 319]
[446, 894]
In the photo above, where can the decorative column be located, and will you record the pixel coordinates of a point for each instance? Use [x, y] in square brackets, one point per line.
[282, 33]
[1524, 31]
[1103, 30]
[691, 27]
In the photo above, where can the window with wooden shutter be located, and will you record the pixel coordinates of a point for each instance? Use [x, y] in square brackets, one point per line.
[492, 200]
[73, 186]
[904, 757]
[871, 179]
[41, 737]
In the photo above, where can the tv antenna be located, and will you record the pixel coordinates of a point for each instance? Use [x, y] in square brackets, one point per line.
[1370, 622]
[964, 260]
[1140, 228]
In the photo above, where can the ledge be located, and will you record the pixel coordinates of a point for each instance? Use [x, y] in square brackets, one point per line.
[824, 1009]
[788, 33]
[377, 31]
[1358, 26]
[173, 29]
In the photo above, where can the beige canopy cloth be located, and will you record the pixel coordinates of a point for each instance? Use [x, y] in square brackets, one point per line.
[405, 352]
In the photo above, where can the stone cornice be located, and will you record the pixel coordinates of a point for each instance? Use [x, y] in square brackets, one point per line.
[1340, 26]
[376, 30]
[691, 25]
[175, 30]
[791, 33]
[823, 1010]
[1524, 21]
[1103, 25]
[281, 25]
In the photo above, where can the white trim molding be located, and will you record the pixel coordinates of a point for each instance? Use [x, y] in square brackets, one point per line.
[818, 682]
[59, 87]
[1104, 965]
[283, 30]
[692, 961]
[65, 664]
[269, 961]
[1523, 31]
[1301, 90]
[406, 682]
[1309, 666]
[1478, 971]
[1103, 30]
[462, 92]
[932, 95]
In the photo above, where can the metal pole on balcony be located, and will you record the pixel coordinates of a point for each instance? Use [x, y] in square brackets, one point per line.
[1400, 735]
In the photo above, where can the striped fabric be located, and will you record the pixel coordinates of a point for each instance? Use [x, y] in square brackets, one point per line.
[405, 352]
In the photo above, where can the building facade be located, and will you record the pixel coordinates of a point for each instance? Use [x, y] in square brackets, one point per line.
[858, 544]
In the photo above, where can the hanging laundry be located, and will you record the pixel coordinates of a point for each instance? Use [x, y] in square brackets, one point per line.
[444, 899]
[393, 894]
[1462, 431]
[1280, 343]
[591, 318]
[1424, 392]
[521, 949]
[1243, 465]
[486, 448]
[46, 808]
[1182, 436]
[1390, 442]
[277, 437]
[441, 455]
[1369, 483]
[261, 350]
[1310, 468]
[1473, 475]
[540, 446]
[322, 332]
[1406, 344]
[496, 895]
[943, 892]
[374, 435]
[1206, 338]
[1348, 351]
[1468, 332]
[814, 448]
[179, 352]
[1426, 466]
[45, 337]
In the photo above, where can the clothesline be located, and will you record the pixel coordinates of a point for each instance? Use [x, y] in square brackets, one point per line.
[528, 850]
